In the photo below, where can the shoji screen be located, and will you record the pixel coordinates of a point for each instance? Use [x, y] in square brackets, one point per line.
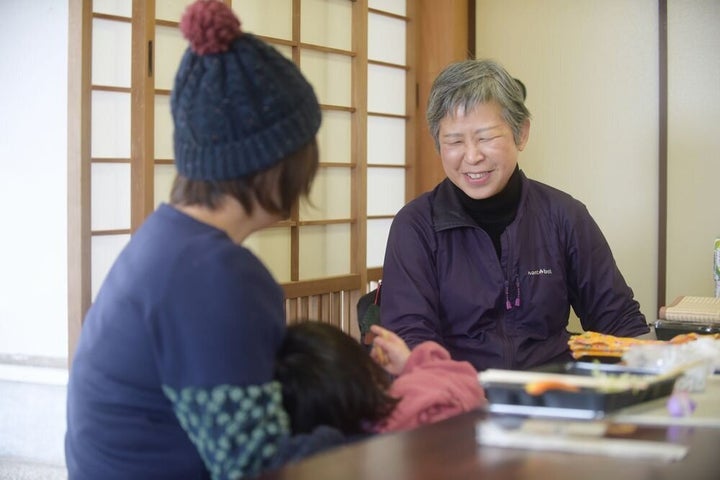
[131, 162]
[316, 241]
[389, 83]
[110, 202]
[169, 46]
[358, 55]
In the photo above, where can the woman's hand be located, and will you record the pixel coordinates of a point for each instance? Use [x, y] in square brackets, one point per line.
[389, 350]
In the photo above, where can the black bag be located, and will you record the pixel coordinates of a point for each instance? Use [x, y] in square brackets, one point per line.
[368, 314]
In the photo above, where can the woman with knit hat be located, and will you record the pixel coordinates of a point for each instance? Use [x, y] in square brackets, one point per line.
[172, 377]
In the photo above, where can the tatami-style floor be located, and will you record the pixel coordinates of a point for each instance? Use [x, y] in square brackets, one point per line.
[32, 423]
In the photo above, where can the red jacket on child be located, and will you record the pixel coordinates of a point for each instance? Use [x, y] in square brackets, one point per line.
[432, 387]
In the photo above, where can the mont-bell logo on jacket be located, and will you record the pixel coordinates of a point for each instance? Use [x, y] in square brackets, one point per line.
[540, 271]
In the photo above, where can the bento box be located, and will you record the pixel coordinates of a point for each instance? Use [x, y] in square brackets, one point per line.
[578, 390]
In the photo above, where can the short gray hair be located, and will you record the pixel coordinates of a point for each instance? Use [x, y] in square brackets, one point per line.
[469, 83]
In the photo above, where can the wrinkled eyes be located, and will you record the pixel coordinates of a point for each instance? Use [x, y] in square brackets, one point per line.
[478, 140]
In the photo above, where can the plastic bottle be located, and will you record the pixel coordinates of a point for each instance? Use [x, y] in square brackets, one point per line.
[716, 266]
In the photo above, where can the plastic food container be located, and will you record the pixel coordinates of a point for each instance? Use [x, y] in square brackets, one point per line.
[668, 329]
[607, 392]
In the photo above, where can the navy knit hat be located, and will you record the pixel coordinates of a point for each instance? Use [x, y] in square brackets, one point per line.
[238, 105]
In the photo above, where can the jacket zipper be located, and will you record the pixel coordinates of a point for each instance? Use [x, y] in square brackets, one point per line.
[507, 343]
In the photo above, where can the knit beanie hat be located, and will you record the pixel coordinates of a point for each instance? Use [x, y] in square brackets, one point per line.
[238, 105]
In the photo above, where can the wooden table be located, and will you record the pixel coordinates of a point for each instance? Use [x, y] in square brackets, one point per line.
[448, 450]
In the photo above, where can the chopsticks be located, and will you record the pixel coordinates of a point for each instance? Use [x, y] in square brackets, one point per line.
[601, 381]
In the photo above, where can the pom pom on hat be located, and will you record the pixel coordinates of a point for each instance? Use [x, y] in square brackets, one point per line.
[238, 105]
[210, 27]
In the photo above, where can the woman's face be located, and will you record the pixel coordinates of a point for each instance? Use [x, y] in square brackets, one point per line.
[478, 150]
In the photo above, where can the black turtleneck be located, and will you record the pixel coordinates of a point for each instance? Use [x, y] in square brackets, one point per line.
[494, 214]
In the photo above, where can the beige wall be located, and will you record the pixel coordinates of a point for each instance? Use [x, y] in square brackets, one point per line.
[693, 144]
[590, 68]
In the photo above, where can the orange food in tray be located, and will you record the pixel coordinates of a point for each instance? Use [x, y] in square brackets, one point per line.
[600, 345]
[542, 386]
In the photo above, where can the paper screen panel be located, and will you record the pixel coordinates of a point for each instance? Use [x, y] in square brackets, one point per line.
[324, 250]
[385, 190]
[111, 55]
[169, 48]
[386, 90]
[386, 39]
[397, 7]
[330, 195]
[270, 18]
[110, 125]
[326, 23]
[171, 10]
[329, 74]
[122, 8]
[272, 246]
[163, 133]
[110, 196]
[385, 140]
[377, 234]
[334, 137]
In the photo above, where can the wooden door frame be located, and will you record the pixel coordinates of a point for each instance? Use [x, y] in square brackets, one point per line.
[446, 34]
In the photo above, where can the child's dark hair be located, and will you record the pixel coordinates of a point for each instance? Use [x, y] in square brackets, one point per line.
[329, 379]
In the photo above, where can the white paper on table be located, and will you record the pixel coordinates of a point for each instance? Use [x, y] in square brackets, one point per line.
[492, 435]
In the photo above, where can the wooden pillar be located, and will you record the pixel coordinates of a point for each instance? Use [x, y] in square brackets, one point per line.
[443, 37]
[78, 179]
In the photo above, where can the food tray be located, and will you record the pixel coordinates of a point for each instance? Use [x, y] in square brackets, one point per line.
[601, 389]
[668, 329]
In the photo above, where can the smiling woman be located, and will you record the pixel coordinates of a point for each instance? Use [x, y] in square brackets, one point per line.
[463, 262]
[479, 127]
[478, 149]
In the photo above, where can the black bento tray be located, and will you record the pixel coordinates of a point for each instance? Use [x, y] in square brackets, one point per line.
[587, 403]
[668, 329]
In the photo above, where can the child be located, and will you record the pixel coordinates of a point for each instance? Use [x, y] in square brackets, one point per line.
[329, 379]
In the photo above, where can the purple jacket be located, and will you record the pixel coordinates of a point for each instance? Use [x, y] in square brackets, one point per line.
[442, 280]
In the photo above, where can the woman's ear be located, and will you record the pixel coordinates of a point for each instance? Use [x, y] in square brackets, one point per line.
[524, 135]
